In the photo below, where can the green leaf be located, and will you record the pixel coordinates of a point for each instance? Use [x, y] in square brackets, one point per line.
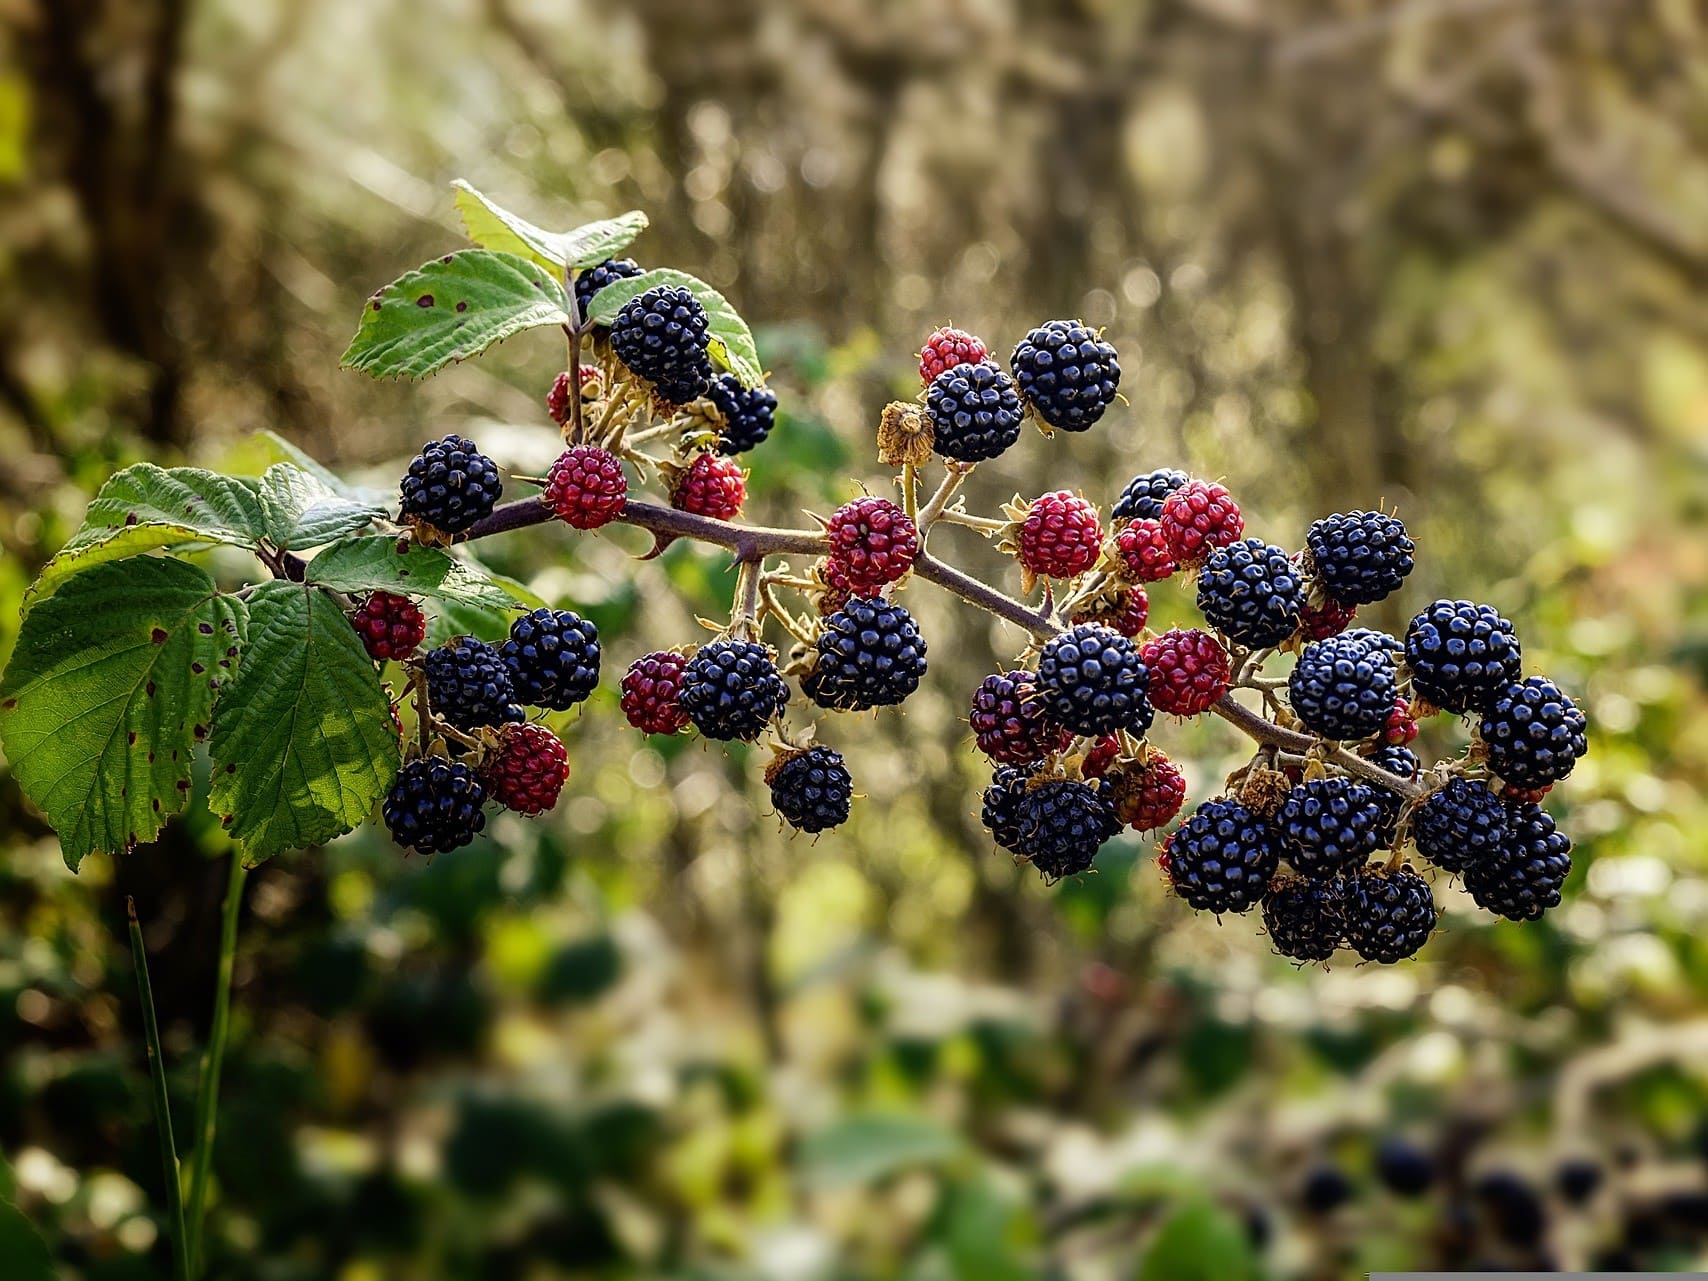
[731, 341]
[872, 1146]
[301, 511]
[452, 308]
[276, 449]
[459, 618]
[23, 1253]
[1200, 1242]
[97, 547]
[492, 226]
[303, 743]
[384, 563]
[113, 679]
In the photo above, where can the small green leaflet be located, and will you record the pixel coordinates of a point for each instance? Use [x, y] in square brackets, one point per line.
[452, 308]
[113, 680]
[301, 511]
[357, 566]
[731, 343]
[276, 449]
[1200, 1242]
[492, 226]
[303, 743]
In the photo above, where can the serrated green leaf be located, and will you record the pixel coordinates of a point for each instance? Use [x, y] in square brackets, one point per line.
[1200, 1242]
[460, 618]
[301, 511]
[113, 679]
[98, 546]
[730, 341]
[452, 308]
[382, 563]
[274, 448]
[23, 1254]
[303, 744]
[871, 1146]
[492, 226]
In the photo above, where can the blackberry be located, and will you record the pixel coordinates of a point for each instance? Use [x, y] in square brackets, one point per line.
[812, 789]
[1189, 671]
[1461, 654]
[592, 279]
[434, 806]
[661, 338]
[1141, 551]
[746, 414]
[1390, 914]
[1522, 878]
[1303, 917]
[1331, 618]
[1360, 557]
[1092, 680]
[450, 485]
[1251, 591]
[468, 684]
[1060, 536]
[1143, 497]
[390, 626]
[585, 487]
[1001, 809]
[946, 348]
[1329, 824]
[1343, 687]
[870, 654]
[712, 485]
[1404, 1168]
[1514, 1210]
[1147, 794]
[1066, 373]
[1009, 723]
[1533, 733]
[873, 541]
[1578, 1178]
[1062, 824]
[730, 689]
[1198, 516]
[1223, 857]
[1405, 763]
[1126, 609]
[553, 657]
[529, 769]
[974, 410]
[1459, 826]
[650, 693]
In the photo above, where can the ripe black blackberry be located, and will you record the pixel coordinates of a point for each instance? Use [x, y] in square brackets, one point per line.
[811, 788]
[1460, 825]
[1142, 498]
[1390, 913]
[1521, 879]
[434, 806]
[1404, 1167]
[1533, 733]
[450, 485]
[1251, 591]
[1062, 824]
[1066, 373]
[1360, 557]
[593, 279]
[553, 657]
[469, 685]
[1461, 654]
[746, 414]
[1001, 809]
[1009, 723]
[731, 690]
[975, 412]
[1092, 680]
[1329, 825]
[661, 337]
[1223, 857]
[1303, 917]
[870, 654]
[1401, 761]
[1343, 687]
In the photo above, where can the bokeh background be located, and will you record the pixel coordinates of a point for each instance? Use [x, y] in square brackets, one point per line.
[1444, 255]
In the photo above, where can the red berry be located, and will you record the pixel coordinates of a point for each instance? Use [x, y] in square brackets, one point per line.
[527, 772]
[586, 487]
[1127, 611]
[836, 590]
[872, 541]
[1198, 516]
[1401, 728]
[390, 626]
[557, 399]
[1143, 549]
[1061, 536]
[1528, 795]
[1331, 618]
[1189, 671]
[1101, 756]
[1009, 723]
[712, 486]
[947, 348]
[1149, 793]
[650, 687]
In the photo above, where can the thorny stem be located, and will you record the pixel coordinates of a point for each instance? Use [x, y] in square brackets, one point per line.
[748, 580]
[928, 514]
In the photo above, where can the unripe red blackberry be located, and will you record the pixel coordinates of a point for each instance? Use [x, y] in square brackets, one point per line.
[1359, 557]
[1126, 609]
[1197, 518]
[650, 693]
[1222, 858]
[835, 589]
[1147, 794]
[811, 788]
[1060, 536]
[557, 399]
[1390, 913]
[1250, 592]
[1092, 680]
[390, 626]
[946, 348]
[1304, 917]
[1331, 618]
[1102, 755]
[1522, 878]
[1461, 655]
[585, 487]
[1067, 373]
[450, 485]
[1329, 825]
[712, 485]
[1459, 826]
[1142, 549]
[661, 339]
[1533, 733]
[1009, 723]
[1144, 495]
[434, 806]
[1062, 822]
[1401, 728]
[873, 542]
[975, 412]
[730, 689]
[1343, 688]
[1189, 671]
[528, 771]
[870, 654]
